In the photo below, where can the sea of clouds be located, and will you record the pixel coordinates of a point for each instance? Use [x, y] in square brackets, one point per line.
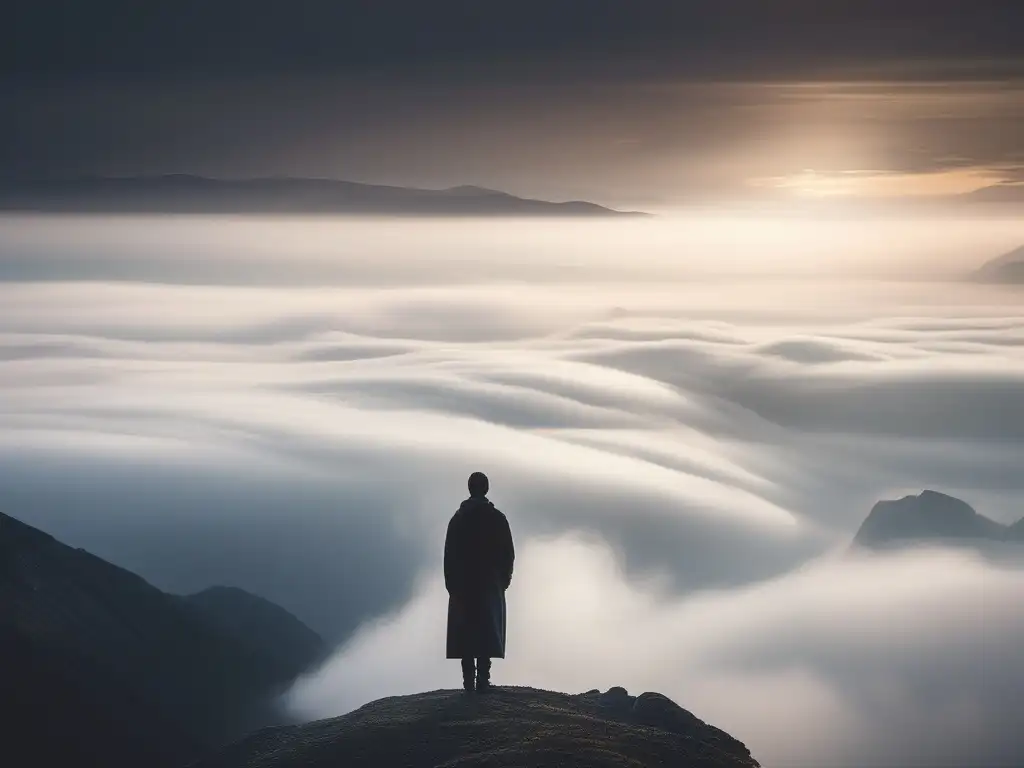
[684, 452]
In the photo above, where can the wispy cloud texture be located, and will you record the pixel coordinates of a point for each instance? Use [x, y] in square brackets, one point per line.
[683, 450]
[897, 660]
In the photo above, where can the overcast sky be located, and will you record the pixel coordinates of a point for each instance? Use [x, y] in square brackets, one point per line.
[620, 102]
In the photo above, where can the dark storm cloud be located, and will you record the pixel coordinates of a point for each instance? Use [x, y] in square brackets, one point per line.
[320, 35]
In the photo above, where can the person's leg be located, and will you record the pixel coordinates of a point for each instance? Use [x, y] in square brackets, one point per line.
[483, 674]
[467, 674]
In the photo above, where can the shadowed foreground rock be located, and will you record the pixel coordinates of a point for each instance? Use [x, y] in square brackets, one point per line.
[100, 668]
[507, 727]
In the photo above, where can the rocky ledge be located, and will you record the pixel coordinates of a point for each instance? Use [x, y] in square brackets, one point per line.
[509, 726]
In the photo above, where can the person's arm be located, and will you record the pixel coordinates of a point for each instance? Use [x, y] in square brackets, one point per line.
[450, 561]
[508, 551]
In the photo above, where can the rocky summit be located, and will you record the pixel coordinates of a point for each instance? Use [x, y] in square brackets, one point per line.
[508, 726]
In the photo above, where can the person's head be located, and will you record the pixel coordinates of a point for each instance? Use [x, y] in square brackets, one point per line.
[478, 484]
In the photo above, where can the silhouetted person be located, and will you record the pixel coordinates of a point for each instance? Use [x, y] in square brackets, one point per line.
[478, 558]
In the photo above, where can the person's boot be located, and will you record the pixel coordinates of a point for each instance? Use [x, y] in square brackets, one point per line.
[483, 675]
[468, 673]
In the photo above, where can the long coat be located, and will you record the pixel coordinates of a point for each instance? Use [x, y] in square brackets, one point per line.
[478, 559]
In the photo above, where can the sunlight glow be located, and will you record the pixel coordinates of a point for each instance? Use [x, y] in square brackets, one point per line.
[884, 184]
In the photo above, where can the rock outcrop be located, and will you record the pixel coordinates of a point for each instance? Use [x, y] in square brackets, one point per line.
[509, 726]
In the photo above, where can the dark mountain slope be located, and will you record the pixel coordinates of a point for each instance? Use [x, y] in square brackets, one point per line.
[507, 727]
[180, 193]
[62, 709]
[1016, 531]
[119, 653]
[264, 626]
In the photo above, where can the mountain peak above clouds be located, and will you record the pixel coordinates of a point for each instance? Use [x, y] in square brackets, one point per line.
[1007, 269]
[929, 516]
[507, 726]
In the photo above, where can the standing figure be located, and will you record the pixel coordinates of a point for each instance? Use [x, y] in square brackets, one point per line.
[478, 558]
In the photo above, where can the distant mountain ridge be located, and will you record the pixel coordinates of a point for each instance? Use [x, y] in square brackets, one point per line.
[184, 193]
[117, 672]
[932, 517]
[1007, 269]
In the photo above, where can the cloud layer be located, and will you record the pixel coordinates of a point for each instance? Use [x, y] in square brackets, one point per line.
[293, 407]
